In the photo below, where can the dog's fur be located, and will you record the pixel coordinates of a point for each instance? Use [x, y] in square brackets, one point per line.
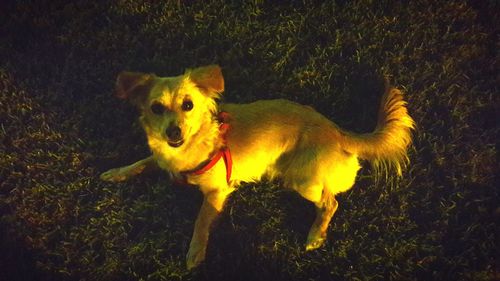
[273, 138]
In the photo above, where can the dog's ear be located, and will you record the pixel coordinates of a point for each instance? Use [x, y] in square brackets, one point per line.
[133, 86]
[208, 77]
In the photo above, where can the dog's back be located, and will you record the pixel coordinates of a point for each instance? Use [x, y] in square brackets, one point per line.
[271, 137]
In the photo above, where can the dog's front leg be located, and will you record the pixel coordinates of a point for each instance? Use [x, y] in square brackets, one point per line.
[126, 172]
[213, 203]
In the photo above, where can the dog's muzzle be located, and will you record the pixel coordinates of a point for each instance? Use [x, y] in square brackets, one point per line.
[174, 136]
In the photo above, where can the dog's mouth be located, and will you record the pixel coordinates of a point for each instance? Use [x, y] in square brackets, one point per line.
[176, 143]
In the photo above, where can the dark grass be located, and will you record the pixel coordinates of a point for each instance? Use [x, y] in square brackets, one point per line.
[60, 127]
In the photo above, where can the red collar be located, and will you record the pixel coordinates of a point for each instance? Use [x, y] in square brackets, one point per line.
[224, 152]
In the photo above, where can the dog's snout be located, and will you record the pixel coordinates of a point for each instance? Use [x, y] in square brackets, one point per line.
[173, 132]
[174, 136]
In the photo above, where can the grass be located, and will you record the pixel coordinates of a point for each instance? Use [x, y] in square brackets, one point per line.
[60, 127]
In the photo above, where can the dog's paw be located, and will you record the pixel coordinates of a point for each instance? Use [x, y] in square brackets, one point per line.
[195, 256]
[115, 175]
[315, 243]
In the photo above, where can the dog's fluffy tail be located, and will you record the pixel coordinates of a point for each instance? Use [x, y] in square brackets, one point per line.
[386, 147]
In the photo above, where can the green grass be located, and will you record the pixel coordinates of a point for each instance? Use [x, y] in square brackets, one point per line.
[60, 127]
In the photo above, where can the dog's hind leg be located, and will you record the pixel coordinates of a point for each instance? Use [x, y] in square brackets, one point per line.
[325, 209]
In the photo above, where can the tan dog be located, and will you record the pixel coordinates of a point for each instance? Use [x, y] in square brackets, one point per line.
[274, 138]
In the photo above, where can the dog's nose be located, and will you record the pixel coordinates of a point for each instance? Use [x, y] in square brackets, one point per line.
[174, 132]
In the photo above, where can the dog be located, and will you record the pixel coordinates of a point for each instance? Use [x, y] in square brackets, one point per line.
[216, 147]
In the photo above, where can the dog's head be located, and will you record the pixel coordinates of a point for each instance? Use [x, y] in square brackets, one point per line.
[173, 109]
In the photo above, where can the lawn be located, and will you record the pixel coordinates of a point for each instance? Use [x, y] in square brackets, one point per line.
[61, 126]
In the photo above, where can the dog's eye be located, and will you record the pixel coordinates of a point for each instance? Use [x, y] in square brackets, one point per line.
[157, 108]
[187, 105]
